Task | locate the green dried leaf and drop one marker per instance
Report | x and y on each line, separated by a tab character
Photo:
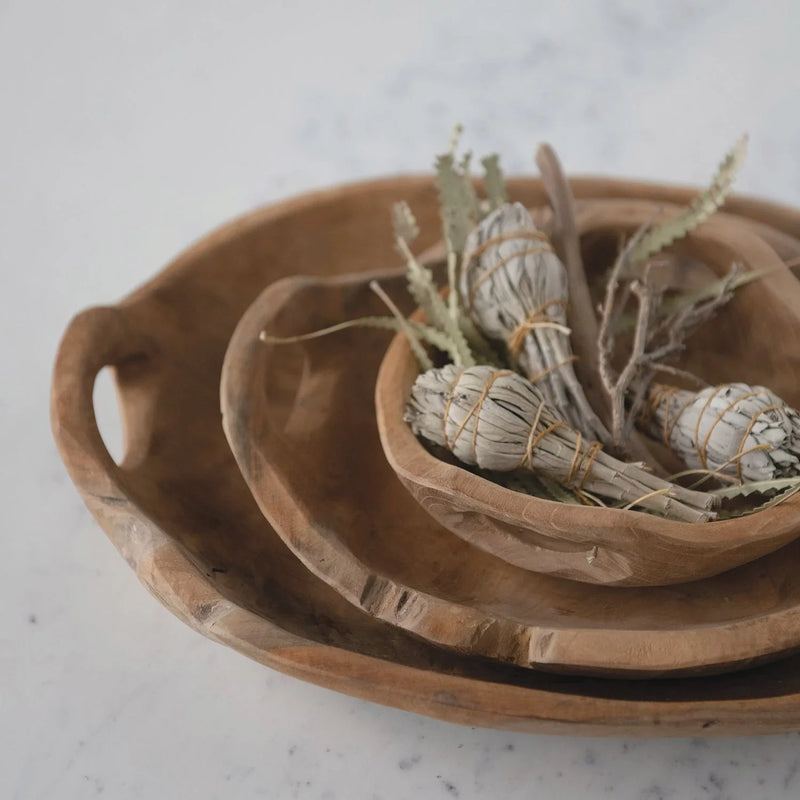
783	489
778	499
760	487
698	212
480	347
423	289
404	325
459	207
404	222
494	181
469	188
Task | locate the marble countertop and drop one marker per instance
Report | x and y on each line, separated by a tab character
129	131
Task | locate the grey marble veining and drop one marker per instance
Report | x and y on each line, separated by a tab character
130	130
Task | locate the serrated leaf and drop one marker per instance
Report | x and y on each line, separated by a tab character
698	212
423	289
470	196
745	489
404	222
457	201
494	181
480	347
778	499
404	325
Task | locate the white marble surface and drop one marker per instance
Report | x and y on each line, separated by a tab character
127	131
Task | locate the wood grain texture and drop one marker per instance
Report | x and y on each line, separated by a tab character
180	513
608	546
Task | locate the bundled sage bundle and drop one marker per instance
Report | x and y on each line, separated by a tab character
498	420
514	287
742	431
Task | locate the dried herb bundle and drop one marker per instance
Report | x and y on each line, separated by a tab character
745	432
498	420
514	287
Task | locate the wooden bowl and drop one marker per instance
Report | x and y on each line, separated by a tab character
300	421
179	512
756	338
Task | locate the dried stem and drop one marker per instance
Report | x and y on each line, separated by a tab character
580	311
413	340
617	386
652	344
581	316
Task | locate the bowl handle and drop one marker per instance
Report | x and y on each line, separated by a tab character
96	338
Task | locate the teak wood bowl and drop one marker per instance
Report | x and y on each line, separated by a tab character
300	421
181	515
756	338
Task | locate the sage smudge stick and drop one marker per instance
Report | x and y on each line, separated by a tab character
735	430
514	287
497	420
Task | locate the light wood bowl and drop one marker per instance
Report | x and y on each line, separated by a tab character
756	338
300	421
179	512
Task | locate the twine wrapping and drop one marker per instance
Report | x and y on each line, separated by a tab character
745	432
515	289
497	420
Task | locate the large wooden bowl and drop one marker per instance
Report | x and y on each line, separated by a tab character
179	512
756	338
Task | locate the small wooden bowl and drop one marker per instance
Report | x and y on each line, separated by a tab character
755	338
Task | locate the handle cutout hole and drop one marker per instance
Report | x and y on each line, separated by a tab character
107	413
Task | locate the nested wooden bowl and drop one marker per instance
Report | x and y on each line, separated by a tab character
179	512
300	421
755	338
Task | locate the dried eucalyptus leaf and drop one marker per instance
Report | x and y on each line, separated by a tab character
698	212
499	421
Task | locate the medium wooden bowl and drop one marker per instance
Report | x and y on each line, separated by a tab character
755	338
300	421
179	512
